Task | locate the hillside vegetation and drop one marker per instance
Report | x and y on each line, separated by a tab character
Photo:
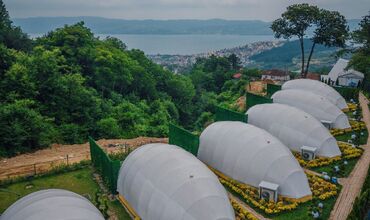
68	84
288	56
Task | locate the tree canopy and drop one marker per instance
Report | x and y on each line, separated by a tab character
68	84
330	28
361	56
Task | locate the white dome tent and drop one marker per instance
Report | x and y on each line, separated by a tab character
294	127
53	204
162	181
318	88
316	105
251	155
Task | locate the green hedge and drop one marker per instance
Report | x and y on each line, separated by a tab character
348	93
252	100
223	114
272	88
184	139
107	167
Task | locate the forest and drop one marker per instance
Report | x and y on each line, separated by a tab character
69	84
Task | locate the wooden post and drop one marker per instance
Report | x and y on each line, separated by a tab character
34	169
67	159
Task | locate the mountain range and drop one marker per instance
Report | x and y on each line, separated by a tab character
99	25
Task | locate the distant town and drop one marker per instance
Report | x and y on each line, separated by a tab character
182	63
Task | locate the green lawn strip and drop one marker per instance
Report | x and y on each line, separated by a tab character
120	211
345	169
302	211
347	136
78	181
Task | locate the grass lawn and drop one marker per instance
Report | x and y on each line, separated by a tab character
301	213
79	181
346	137
345	169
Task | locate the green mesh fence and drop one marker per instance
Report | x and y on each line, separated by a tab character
252	100
183	138
223	114
348	93
271	89
107	167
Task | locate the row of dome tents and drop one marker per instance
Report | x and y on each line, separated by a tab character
162	181
159	181
314	97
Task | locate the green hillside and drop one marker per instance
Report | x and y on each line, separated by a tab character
69	84
289	54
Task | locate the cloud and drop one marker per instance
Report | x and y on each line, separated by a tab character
176	9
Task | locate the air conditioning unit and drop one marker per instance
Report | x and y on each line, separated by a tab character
327	124
268	191
308	153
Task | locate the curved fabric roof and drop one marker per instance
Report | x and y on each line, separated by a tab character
294	127
251	155
162	181
316	105
53	204
319	88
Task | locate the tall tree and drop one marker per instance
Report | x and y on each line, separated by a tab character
331	31
294	23
12	36
330	28
361	57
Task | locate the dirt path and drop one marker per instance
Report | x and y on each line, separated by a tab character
24	164
353	184
249	209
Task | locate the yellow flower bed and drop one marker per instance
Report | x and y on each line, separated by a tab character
352	106
348	152
321	188
240	212
251	195
355	126
317	162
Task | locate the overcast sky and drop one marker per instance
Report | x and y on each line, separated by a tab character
266	10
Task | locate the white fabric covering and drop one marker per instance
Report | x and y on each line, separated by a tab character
294	127
251	155
319	88
316	105
164	182
53	204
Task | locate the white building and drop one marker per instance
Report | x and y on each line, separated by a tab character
350	77
275	75
318	88
162	181
52	204
318	106
251	155
294	128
